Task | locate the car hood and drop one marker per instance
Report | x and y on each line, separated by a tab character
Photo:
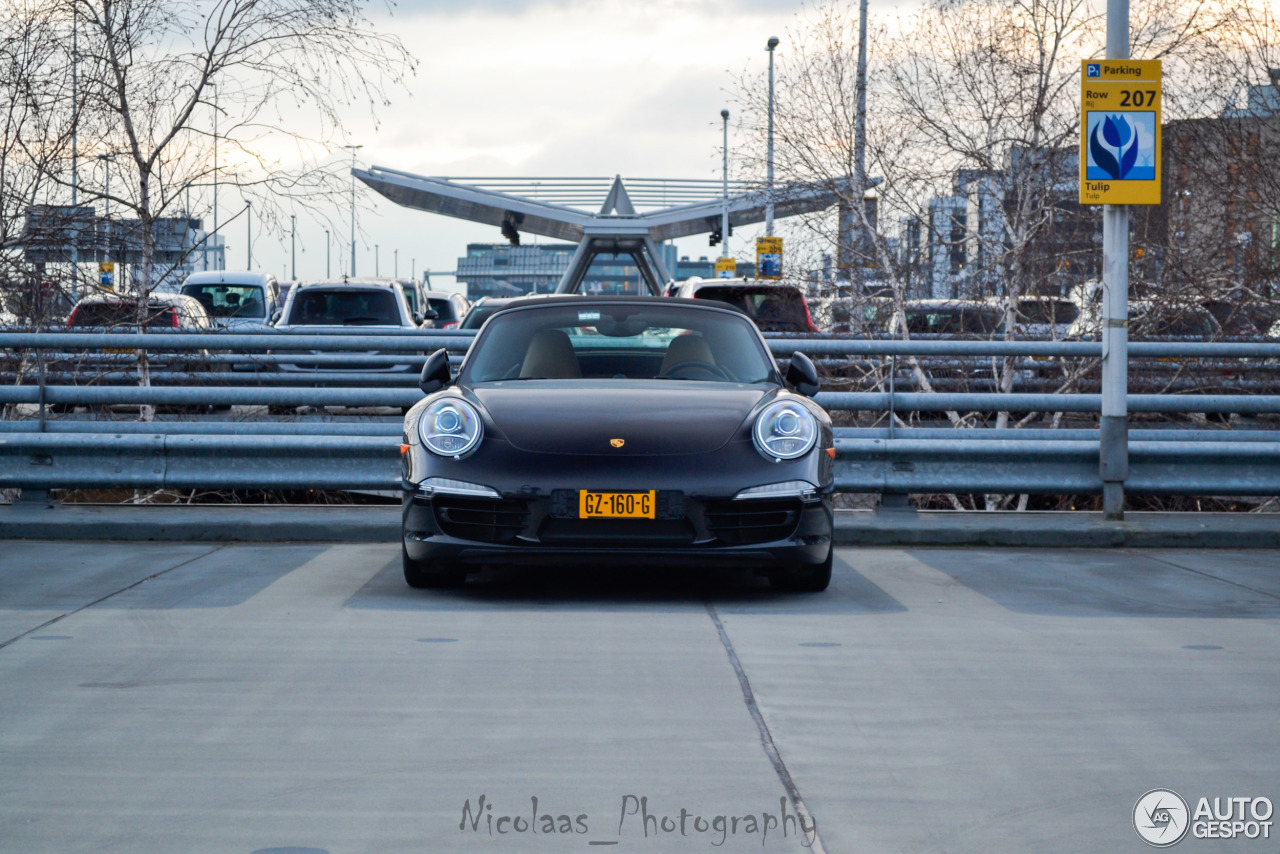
650	417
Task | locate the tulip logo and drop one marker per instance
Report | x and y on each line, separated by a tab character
1122	146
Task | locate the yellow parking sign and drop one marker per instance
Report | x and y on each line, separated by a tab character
1120	132
769	257
726	268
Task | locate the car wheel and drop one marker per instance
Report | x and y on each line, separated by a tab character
431	574
803	579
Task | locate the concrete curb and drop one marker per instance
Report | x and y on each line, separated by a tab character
1059	530
381	524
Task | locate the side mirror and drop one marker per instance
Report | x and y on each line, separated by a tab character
802	375
276	315
435	372
417	318
430	314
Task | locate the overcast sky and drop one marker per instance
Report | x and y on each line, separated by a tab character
544	88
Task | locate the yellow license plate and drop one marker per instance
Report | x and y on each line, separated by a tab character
617	505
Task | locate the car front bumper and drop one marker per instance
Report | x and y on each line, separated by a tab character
544	530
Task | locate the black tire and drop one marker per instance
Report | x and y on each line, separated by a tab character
803	579
431	575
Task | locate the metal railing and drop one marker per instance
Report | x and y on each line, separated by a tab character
41	452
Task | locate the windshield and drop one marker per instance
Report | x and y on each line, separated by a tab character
773	308
442	307
106	314
410	296
1048	311
344	307
1173	322
966	320
618	341
228	300
478	315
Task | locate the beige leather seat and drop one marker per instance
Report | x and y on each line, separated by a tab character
686	348
550	355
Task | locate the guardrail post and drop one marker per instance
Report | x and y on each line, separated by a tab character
40	372
1113	432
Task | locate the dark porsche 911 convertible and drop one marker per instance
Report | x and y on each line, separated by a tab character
618	431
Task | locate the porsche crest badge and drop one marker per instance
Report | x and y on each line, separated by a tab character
617	443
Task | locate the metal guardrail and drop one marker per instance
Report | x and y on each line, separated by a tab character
42	453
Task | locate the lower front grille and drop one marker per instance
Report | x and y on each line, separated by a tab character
487	520
628	533
740	523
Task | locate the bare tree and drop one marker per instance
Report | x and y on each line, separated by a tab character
151	74
973	128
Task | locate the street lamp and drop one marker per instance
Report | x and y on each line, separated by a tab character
353	149
377	262
214	87
293	247
327	273
724	202
768	203
107	160
396	254
248	227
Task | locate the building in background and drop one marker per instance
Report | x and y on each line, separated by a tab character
502	270
57	237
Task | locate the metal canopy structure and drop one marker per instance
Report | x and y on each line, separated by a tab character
561	208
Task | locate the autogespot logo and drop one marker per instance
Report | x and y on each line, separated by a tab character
1160	817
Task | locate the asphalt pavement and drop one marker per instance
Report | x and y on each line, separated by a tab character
261	697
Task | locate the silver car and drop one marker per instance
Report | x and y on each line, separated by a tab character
351	305
240	301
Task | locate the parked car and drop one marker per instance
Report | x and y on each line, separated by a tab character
450	308
119	313
955	317
412	295
1232	318
163	311
485	307
618	429
1152	319
235	300
774	307
1043	317
855	316
362	305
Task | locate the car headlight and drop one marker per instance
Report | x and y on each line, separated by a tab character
785	431
451	428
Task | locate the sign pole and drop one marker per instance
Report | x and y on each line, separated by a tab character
1114	426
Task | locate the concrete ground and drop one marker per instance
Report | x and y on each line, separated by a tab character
166	697
282	523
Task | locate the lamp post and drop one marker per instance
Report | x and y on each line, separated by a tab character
768	203
396	254
377	262
248	228
353	149
293	247
327	273
724	201
214	87
860	149
107	160
75	147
